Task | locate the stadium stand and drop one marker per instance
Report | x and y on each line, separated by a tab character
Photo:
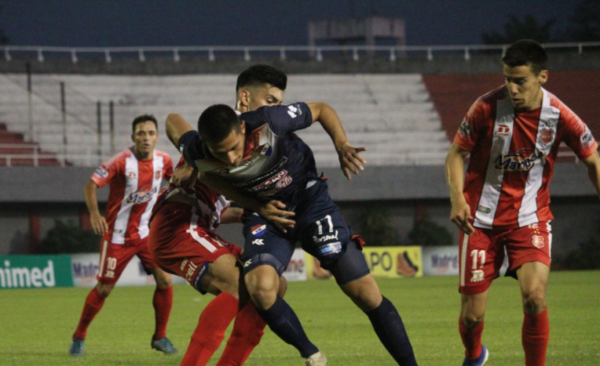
392	115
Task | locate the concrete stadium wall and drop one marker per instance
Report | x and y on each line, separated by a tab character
294	64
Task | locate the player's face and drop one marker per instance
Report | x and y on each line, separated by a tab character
230	150
144	138
524	86
254	97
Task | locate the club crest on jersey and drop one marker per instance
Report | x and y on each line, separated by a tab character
521	161
131	175
141	196
502	130
157	174
331	248
258	230
538	241
546	136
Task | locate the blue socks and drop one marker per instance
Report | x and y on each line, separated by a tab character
283	321
389	328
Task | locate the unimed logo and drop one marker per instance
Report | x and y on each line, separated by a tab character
22	277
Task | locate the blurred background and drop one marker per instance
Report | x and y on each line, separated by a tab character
401	74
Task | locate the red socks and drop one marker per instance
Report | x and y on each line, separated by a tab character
471	338
93	304
535	335
248	329
163	301
210	331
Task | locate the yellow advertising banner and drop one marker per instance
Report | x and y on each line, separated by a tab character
391	262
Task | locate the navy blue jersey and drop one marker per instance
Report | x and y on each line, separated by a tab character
277	164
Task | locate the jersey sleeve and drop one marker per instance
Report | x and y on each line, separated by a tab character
107	171
285	119
470	128
191	147
577	134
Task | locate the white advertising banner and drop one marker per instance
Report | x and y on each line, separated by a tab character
444	261
85	269
296	270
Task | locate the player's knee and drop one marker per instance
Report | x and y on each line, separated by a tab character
534	301
104	289
471	320
163	279
262	284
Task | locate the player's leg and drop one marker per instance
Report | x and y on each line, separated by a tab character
529	255
113	260
162	301
481	255
352	274
266	255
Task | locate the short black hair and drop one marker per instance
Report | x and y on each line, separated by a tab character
217	122
141	119
526	52
261	74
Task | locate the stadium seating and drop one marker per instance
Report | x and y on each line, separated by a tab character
391	115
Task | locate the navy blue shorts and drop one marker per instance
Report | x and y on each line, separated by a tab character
320	229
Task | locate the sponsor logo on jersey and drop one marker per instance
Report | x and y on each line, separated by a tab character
292	111
325	238
258	230
502	130
101	171
522	161
248	263
546	136
484	209
331	248
157	174
464	130
258	242
586	139
131	175
141	196
477	275
190	271
538	241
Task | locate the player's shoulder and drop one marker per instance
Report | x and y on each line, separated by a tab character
490	98
120	157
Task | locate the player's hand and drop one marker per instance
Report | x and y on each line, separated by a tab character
350	159
99	224
184	176
274	211
461	216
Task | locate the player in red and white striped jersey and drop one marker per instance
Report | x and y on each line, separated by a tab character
134	176
512	135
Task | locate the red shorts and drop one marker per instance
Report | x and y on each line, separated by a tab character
115	257
482	253
181	247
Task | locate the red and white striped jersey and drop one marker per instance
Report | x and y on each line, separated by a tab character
209	204
134	186
512	157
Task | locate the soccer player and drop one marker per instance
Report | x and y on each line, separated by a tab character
257	161
183	241
134	175
512	135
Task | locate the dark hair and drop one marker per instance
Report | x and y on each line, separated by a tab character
141	119
526	52
217	122
262	74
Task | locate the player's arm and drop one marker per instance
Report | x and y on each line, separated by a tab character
232	215
350	159
91	201
274	210
460	213
593	168
176	126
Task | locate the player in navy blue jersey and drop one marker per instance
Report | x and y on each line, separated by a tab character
257	160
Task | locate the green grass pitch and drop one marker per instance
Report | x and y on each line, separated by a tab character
36	325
